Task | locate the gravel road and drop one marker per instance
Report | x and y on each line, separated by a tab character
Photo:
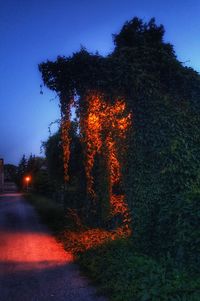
33	265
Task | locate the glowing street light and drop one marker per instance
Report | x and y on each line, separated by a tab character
27	180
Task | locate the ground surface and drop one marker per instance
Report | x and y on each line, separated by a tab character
33	265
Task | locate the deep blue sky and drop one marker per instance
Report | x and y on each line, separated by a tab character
32	31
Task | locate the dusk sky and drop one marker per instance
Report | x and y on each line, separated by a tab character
32	31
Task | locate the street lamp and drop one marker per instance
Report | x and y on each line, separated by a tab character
27	180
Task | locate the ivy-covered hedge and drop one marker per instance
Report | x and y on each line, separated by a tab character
161	171
162	181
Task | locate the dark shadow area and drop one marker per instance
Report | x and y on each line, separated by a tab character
36	281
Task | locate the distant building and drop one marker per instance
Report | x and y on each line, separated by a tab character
1	175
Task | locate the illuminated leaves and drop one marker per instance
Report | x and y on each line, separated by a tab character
103	129
104	125
65	127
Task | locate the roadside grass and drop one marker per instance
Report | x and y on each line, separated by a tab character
114	266
50	212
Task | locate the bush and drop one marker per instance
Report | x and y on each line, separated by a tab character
125	275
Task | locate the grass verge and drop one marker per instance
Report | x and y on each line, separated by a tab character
51	213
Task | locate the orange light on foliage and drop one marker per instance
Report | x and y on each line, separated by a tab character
81	241
65	127
103	129
103	125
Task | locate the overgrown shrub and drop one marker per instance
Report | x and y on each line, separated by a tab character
125	275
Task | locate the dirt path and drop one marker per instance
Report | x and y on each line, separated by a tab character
33	266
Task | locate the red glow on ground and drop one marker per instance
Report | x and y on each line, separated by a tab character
39	252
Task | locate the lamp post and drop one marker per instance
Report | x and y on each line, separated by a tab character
27	180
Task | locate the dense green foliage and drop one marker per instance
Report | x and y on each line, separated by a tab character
162	181
75	189
54	160
124	275
161	174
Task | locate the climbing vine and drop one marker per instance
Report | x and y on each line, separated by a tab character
65	136
103	125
